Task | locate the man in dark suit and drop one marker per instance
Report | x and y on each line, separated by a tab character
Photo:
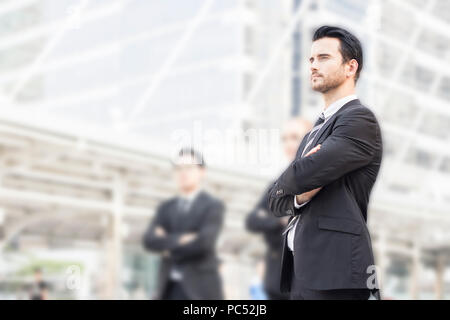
325	190
184	231
261	221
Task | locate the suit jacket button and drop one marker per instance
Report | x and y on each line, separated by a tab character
279	191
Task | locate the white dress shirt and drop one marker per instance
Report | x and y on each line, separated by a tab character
328	113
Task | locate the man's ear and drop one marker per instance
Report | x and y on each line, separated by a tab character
352	68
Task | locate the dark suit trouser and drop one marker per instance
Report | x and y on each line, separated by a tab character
338	294
277	296
299	292
174	291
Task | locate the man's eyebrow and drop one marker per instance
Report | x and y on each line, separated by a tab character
320	55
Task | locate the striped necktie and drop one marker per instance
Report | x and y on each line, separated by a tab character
319	123
183	205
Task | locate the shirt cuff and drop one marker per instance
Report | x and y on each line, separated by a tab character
298	206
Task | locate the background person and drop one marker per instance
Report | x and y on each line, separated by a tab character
260	220
185	231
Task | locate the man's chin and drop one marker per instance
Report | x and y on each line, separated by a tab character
317	88
316	84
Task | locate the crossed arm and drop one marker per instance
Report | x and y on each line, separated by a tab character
180	246
307	196
260	219
351	145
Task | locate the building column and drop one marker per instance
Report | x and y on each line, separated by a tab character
415	271
113	242
381	259
440	269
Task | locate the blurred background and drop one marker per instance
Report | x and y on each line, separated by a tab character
96	96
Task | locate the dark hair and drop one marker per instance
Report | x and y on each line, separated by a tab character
196	155
350	47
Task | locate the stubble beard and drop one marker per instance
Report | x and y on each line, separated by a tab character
329	83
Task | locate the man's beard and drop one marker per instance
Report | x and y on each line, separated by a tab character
329	83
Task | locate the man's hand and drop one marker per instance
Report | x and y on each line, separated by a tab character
284	220
313	150
261	213
166	253
186	238
305	197
160	232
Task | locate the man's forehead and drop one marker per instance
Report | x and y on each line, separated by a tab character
325	46
185	159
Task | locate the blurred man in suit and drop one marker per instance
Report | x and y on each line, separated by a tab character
325	190
261	221
184	230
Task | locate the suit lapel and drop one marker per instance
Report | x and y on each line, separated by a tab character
185	220
302	145
331	120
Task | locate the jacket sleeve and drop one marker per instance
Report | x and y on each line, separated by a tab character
207	235
282	206
257	222
156	243
351	145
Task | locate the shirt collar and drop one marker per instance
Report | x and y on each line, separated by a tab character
335	106
190	197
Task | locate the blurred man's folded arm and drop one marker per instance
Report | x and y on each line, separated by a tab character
156	238
256	222
205	238
259	220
